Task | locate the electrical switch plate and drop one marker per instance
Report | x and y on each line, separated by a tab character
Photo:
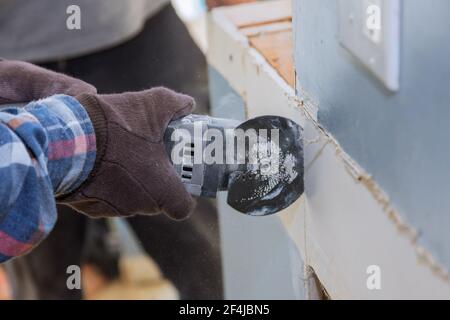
370	30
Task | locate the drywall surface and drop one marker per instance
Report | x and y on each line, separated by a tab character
344	228
259	259
401	139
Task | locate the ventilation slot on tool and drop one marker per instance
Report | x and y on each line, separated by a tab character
188	161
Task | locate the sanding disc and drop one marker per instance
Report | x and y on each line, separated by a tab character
274	180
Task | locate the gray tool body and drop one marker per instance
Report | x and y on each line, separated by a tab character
253	189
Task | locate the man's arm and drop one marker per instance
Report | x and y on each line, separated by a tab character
46	148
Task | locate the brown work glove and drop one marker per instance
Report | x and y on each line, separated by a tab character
22	82
133	173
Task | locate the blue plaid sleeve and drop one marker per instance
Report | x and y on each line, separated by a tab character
46	148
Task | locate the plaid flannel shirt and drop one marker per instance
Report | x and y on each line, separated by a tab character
47	148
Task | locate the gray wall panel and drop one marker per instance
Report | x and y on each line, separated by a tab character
402	139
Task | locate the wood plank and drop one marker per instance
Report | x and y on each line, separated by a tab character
266	28
277	48
258	13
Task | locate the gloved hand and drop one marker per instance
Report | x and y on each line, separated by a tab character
25	82
133	173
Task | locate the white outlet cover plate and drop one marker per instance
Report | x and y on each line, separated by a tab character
378	50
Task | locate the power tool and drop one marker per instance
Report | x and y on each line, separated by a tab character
258	161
